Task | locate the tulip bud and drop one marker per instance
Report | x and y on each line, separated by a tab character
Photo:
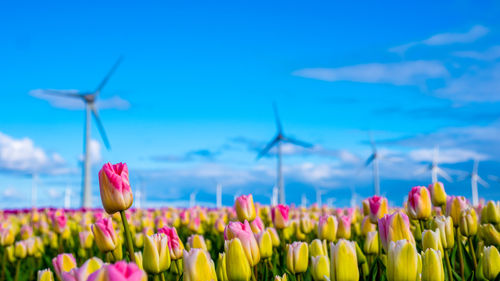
297	256
45	275
237	266
489	234
221	268
432	265
367	226
281	278
139	260
274	236
431	239
7	236
378	207
445	227
371	245
491	262
78	274
104	235
257	225
438	194
245	208
197	241
279	216
344	229
139	240
156	255
344	263
394	227
454	207
366	207
243	232
327	228
402	261
198	266
86	239
320	268
419	203
20	250
491	213
174	243
63	263
468	222
318	248
265	244
116	194
119	271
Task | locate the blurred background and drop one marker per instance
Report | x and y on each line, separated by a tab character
411	88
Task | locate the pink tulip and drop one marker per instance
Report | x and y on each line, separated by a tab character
279	215
454	207
419	203
394	227
244	232
84	271
174	243
344	228
257	225
59	221
378	207
245	208
104	235
116	194
120	271
63	263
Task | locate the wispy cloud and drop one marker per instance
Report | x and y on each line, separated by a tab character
114	102
440	39
401	73
23	157
489	54
447	156
193	155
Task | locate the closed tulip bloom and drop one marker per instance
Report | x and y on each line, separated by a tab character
445	226
86	239
489	234
45	275
468	222
378	208
198	266
394	227
402	261
318	248
371	245
237	266
327	228
281	278
274	236
139	240
438	194
59	222
265	244
343	261
320	268
174	243
197	241
104	235
432	265
7	236
419	203
63	263
431	240
221	268
367	226
243	232
30	246
306	224
297	257
219	225
491	213
344	227
454	207
491	262
139	260
245	208
279	216
119	271
257	225
26	232
83	272
366	207
156	255
116	194
9	252
20	249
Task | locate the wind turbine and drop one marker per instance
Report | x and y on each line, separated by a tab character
89	98
218	196
475	179
277	141
435	169
373	160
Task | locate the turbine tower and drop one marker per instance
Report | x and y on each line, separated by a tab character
218	198
89	98
373	160
435	169
475	179
277	141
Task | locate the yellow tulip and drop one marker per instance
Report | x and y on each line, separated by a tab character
45	275
344	263
491	262
297	257
237	266
320	268
468	222
402	261
156	255
432	265
198	266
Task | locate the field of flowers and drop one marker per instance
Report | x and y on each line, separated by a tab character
435	236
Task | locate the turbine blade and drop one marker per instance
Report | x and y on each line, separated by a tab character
100	127
482	182
298	142
370	160
267	148
106	78
277	118
444	174
474	168
494	178
63	93
372	142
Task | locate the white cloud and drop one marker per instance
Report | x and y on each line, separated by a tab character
114	102
490	54
401	73
22	156
447	156
440	39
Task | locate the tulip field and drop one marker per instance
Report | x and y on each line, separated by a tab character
434	236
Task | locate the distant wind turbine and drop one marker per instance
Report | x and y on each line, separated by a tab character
219	195
475	179
277	141
373	160
89	98
435	169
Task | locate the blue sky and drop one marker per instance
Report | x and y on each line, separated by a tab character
191	103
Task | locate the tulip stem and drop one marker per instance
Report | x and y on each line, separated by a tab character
128	236
461	254
471	248
18	266
421	225
4	263
448	265
162	276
